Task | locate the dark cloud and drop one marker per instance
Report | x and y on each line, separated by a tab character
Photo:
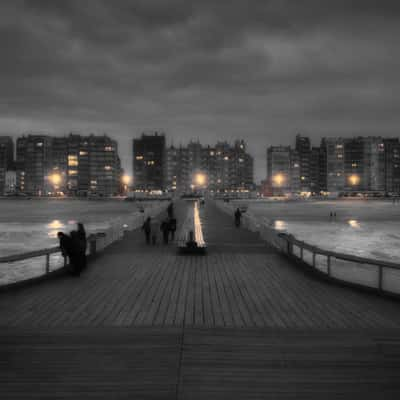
262	70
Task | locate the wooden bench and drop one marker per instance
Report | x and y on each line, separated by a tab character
190	237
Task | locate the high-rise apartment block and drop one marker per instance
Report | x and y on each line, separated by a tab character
149	162
6	160
340	165
75	165
218	168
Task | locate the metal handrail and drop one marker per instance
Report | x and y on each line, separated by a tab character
30	254
286	243
347	257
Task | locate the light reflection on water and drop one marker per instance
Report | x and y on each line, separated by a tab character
354	223
280	225
56	226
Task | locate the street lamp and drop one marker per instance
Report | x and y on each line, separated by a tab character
278	179
126	179
55	179
200	179
354	180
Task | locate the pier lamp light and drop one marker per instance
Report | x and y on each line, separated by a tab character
200	179
354	180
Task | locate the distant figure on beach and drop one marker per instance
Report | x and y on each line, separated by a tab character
164	228
238	216
146	228
83	243
331	215
170	210
172	227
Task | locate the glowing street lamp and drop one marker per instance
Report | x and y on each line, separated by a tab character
126	179
278	179
55	179
354	180
200	179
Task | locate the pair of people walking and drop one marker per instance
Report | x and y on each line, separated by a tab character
73	247
167	228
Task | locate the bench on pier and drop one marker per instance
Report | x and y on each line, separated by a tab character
190	238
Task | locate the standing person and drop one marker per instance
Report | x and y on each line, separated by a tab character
65	244
170	210
172	228
146	227
154	229
164	227
83	243
238	216
76	260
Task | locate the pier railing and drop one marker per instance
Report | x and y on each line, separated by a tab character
382	276
96	242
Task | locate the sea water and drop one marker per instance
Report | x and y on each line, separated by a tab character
28	225
367	228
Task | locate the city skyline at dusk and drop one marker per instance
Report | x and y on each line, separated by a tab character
261	71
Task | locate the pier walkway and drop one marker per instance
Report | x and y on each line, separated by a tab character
242	322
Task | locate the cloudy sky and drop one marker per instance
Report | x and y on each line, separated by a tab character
259	70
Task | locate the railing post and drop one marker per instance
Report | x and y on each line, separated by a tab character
47	263
329	265
380	277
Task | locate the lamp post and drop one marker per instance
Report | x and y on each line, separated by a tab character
126	179
55	179
279	180
354	180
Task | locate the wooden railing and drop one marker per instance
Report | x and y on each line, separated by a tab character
379	275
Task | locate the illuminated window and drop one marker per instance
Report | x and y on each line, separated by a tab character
241	160
211	153
83	153
139	157
39	144
354	165
93	182
72	160
150	162
108	148
107	167
72	172
226	158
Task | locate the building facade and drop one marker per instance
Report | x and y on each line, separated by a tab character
6	160
149	161
218	168
282	169
74	165
303	149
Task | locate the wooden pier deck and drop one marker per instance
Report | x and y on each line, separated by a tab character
242	322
